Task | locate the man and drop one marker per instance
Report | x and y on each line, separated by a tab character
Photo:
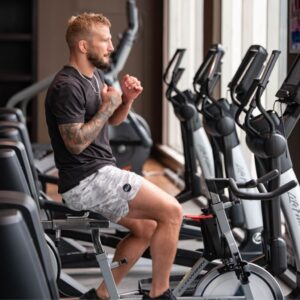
79	106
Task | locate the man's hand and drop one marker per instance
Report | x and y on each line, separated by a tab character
131	88
111	100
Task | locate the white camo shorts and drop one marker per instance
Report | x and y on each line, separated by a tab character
107	192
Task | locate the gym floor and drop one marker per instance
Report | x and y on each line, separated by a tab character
90	277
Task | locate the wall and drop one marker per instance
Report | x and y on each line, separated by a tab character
145	61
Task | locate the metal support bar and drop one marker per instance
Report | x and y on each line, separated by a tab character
104	265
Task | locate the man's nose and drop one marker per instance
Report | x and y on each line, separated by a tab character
111	47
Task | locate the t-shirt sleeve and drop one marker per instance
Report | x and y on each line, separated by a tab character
68	104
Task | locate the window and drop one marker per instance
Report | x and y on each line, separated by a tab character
183	29
243	23
249	22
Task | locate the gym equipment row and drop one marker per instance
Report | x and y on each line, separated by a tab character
214	223
219	141
266	137
21	216
243	279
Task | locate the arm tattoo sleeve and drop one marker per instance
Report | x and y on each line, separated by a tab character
78	136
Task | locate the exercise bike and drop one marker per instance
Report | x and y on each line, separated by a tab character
236	279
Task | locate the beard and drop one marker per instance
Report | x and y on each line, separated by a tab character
96	61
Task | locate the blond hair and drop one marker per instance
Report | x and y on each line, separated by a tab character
80	27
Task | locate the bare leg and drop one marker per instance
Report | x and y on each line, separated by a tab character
131	247
151	203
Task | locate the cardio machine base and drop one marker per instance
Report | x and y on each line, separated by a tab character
216	283
145	284
219	284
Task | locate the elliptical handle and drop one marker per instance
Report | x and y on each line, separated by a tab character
140	130
172	87
251	63
264	80
208	72
121	53
269	68
177	75
174	62
241	105
249	69
177	72
132	15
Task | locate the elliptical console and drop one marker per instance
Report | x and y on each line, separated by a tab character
290	89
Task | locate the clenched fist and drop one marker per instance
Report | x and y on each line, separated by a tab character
131	88
111	100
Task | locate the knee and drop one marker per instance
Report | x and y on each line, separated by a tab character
175	213
145	229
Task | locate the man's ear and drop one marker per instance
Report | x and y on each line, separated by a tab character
82	45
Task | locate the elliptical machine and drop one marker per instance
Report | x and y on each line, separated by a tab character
218	120
190	126
266	137
197	147
130	141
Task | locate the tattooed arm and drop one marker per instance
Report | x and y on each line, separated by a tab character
78	136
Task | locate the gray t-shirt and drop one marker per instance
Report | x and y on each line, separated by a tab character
74	99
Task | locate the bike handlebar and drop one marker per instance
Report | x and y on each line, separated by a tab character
261	196
235	187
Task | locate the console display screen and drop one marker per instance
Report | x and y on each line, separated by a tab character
290	89
294	75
